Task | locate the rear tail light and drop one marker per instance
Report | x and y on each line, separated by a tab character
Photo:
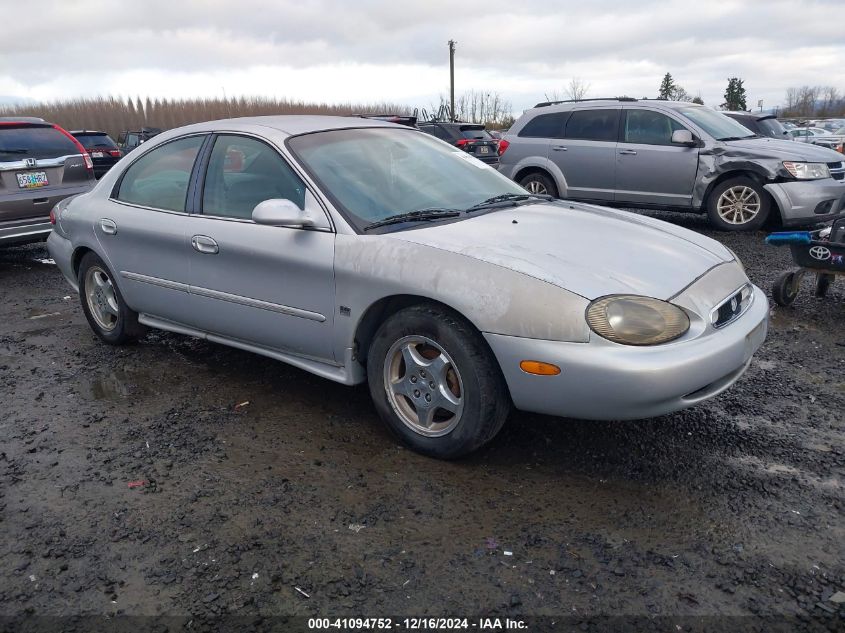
462	143
89	164
53	216
503	145
115	153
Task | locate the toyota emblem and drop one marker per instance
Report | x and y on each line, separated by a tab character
820	252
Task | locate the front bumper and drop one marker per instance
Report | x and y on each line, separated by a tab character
808	201
600	381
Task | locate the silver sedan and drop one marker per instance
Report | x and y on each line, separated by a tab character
365	251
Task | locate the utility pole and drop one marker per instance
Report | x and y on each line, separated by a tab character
452	79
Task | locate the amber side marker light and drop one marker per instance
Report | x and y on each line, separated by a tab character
539	369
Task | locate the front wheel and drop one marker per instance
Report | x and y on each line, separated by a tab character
435	382
738	204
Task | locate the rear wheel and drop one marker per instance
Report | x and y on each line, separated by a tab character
103	305
435	383
738	204
785	288
537	182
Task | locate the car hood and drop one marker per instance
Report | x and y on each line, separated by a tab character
783	150
591	251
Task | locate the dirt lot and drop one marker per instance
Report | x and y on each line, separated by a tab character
269	492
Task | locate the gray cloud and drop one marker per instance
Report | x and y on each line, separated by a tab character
530	46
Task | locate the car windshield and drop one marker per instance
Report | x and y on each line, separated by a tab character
716	124
95	140
375	173
772	127
34	141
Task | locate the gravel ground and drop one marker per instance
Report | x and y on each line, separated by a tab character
177	477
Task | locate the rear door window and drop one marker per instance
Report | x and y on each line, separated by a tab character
648	127
17	143
593	125
159	179
545	126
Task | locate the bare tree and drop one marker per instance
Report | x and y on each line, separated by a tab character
577	89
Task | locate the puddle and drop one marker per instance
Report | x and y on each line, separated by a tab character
115	385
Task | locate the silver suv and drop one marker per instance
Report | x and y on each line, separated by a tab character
671	155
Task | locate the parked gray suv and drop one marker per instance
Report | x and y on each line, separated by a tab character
40	165
671	155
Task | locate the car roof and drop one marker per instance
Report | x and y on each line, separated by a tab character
749	115
292	124
97	132
610	102
21	119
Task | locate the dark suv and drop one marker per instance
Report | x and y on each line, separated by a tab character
40	165
470	137
100	147
130	139
762	124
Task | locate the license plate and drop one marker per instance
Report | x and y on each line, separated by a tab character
483	150
32	179
96	154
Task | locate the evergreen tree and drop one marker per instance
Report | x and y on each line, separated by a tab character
735	95
667	87
697	99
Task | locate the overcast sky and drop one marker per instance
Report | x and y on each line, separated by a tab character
388	50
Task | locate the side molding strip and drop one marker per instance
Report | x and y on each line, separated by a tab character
224	296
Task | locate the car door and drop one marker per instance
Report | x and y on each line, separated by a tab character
270	286
535	138
650	169
587	154
142	229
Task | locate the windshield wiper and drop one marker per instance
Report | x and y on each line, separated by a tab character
508	197
420	215
14	151
738	138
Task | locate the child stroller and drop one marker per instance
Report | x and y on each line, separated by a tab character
820	252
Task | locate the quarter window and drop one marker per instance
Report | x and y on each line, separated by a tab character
648	127
545	126
593	125
242	172
159	179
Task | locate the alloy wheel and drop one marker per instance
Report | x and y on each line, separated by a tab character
535	186
101	298
423	386
738	205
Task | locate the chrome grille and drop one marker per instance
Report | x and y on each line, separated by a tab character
732	307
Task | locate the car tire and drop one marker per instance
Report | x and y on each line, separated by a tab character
823	281
107	313
538	182
738	204
785	289
427	355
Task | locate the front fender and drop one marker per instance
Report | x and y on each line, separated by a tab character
493	298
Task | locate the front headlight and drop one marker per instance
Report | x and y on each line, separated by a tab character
635	320
807	171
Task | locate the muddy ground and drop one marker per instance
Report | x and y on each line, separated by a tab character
264	491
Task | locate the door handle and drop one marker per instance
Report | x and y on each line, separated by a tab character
204	244
558	148
108	226
628	152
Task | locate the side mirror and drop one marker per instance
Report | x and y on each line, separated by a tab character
683	137
281	212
